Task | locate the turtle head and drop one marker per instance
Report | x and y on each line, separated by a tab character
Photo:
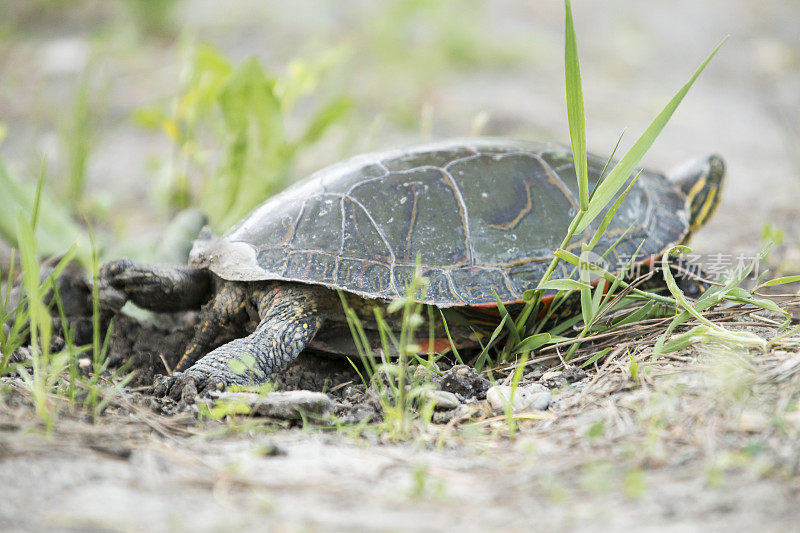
701	181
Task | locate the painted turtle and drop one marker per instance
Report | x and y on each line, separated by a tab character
482	217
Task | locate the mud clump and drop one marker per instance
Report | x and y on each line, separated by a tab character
139	346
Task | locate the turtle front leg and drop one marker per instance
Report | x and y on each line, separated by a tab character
161	288
228	307
290	317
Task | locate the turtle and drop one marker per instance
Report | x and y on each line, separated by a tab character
479	218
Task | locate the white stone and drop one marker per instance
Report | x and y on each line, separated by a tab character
527	398
289	405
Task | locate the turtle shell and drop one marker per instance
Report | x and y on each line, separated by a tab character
482	216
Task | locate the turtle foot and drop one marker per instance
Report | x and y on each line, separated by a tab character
186	386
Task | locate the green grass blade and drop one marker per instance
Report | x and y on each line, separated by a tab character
450	338
507	319
37	198
575	112
611	212
587	308
564	285
609	187
593	359
642	313
718	332
483	356
781	281
534	341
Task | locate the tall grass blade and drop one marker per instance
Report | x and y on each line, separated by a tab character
575	112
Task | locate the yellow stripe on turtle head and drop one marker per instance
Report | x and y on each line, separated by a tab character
701	181
707	210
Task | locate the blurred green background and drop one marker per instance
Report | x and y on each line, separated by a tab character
138	111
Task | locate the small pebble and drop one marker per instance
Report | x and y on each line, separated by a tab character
442	399
20	355
424	373
553	379
573	374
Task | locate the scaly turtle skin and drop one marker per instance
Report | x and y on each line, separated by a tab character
482	216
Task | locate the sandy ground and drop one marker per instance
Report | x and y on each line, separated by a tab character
329	483
125	474
682	450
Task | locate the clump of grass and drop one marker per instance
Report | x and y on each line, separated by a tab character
612	291
52	378
403	398
30	318
244	109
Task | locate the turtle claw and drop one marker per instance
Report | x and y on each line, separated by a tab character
186	386
161	386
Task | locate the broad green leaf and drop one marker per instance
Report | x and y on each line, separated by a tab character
608	188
